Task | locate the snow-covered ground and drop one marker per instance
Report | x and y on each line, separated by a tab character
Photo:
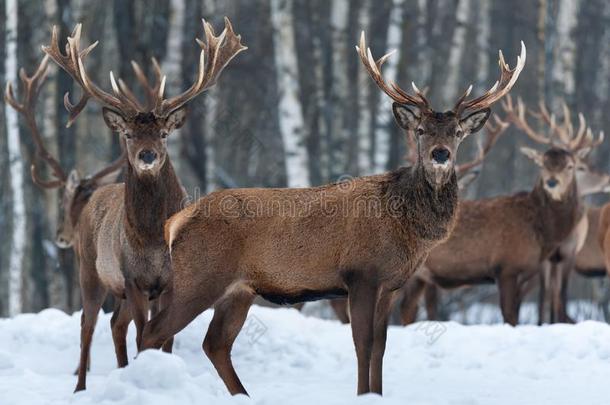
283	356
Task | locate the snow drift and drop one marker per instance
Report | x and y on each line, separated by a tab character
282	355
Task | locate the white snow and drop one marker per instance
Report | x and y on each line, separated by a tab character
283	356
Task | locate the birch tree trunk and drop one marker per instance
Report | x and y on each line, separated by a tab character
339	18
290	111
15	167
456	54
563	71
383	114
364	109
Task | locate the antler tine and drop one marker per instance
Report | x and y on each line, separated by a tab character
216	53
152	92
507	80
392	90
518	118
31	90
493	134
72	63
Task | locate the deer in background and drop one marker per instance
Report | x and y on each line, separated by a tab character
120	232
506	239
76	189
224	254
555	274
466	173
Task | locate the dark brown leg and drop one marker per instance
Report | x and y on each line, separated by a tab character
413	290
431	298
382	314
138	304
119	323
339	305
229	316
93	295
362	300
563	293
508	299
541	296
163	302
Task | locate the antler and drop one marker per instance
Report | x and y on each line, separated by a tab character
508	78
216	53
72	63
518	118
31	90
396	93
493	134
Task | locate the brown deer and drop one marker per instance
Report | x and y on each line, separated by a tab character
466	173
509	249
76	189
295	245
120	232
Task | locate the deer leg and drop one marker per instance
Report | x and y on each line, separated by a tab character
413	290
164	301
119	323
563	294
93	297
508	299
431	298
82	320
382	315
229	316
362	299
555	291
139	304
541	296
339	306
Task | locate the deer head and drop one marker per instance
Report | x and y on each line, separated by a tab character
76	189
145	126
439	134
566	159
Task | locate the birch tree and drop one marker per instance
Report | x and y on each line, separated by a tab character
456	53
290	111
339	18
384	106
563	70
364	109
15	167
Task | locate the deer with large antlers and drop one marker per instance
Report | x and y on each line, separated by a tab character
120	242
76	189
507	239
466	173
295	245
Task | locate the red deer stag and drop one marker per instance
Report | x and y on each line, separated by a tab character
294	245
76	189
121	244
506	239
555	275
466	173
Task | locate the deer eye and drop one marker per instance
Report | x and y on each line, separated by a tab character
420	131
459	133
570	167
128	135
164	135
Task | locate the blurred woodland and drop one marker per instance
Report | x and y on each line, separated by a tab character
295	109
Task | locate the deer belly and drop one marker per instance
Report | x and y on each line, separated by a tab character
109	270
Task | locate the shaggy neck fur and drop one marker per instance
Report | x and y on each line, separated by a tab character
430	211
555	219
149	202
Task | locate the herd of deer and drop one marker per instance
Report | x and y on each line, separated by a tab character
136	241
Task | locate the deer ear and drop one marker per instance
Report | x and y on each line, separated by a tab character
175	119
475	121
583	153
533	154
114	120
404	117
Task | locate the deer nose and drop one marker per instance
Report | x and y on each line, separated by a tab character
552	183
62	242
147	156
440	154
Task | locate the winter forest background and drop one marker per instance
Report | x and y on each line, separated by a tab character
295	109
